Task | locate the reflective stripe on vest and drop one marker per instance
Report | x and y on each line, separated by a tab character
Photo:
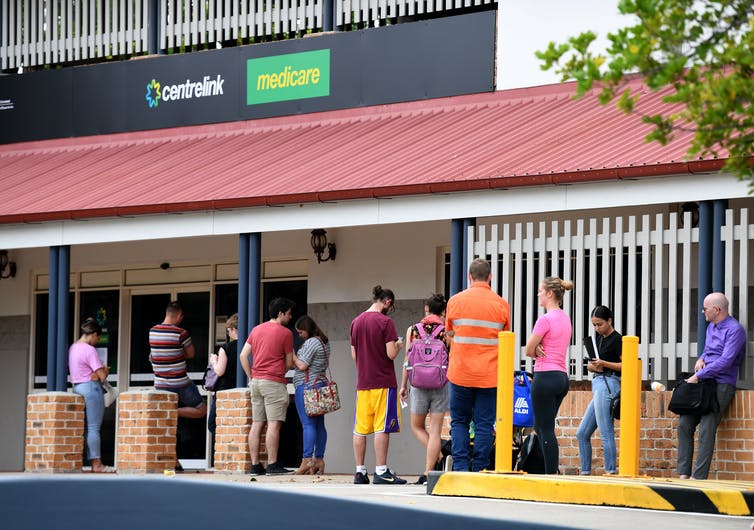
475	340
476	322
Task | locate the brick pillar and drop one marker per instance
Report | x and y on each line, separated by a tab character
232	433
54	432
147	423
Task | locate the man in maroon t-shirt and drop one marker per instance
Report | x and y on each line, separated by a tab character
270	345
374	346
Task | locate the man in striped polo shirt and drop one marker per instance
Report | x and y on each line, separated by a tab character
473	319
170	346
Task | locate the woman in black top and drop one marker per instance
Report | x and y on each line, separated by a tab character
225	363
606	368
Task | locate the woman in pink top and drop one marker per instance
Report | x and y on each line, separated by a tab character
548	345
87	376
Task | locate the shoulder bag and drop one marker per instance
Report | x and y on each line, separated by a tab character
210	379
321	394
111	393
695	399
614	401
614	398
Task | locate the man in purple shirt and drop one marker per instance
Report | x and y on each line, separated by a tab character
723	352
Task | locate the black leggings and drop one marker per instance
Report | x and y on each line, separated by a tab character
547	392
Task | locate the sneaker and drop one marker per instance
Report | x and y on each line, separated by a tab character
257	469
421	480
388	477
277	469
361	478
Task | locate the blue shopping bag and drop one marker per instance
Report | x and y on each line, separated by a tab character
523	413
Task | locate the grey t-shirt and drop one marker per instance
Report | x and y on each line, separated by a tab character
314	353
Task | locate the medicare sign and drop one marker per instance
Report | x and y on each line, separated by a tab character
288	77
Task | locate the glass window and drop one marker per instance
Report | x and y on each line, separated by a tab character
103	305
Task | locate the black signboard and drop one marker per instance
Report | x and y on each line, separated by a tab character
404	62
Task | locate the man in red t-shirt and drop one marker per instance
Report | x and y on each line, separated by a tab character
374	346
270	345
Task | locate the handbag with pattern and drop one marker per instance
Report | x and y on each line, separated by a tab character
321	394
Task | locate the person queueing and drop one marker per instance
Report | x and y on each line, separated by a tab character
87	376
724	350
474	318
271	345
434	402
606	368
311	361
548	345
225	364
374	346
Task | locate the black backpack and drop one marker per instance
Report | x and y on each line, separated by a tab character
530	457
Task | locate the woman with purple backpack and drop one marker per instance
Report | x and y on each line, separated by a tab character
429	393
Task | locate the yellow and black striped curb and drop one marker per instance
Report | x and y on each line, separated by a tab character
700	496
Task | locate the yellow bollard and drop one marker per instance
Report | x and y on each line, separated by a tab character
504	424
630	408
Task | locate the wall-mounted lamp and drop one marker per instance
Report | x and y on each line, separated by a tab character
7	267
319	244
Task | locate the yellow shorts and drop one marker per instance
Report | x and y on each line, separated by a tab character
377	411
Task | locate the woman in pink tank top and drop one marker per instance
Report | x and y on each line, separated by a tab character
548	345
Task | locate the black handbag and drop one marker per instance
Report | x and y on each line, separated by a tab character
614	401
694	398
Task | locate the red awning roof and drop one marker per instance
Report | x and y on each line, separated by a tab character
523	137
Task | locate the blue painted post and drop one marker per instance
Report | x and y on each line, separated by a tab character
464	266
718	252
705	269
328	16
456	256
243	302
61	364
52	319
153	27
255	278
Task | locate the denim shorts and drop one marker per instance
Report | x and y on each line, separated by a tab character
188	396
430	400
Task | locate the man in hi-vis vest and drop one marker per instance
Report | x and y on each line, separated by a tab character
474	317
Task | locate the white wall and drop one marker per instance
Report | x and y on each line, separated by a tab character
400	257
527	26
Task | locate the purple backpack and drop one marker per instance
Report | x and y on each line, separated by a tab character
427	360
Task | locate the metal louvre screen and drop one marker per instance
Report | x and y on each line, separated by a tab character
46	32
40	32
643	268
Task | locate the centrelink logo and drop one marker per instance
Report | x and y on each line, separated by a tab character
207	87
521	406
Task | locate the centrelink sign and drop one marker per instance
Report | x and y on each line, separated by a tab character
342	70
206	87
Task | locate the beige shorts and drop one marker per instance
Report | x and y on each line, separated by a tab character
269	400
